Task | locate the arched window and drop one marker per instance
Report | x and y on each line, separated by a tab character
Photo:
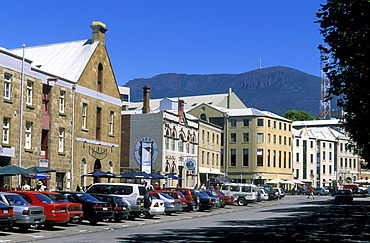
100	77
181	143
203	117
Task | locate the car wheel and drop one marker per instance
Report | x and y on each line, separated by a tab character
148	215
117	219
147	200
241	201
93	221
168	213
48	226
23	227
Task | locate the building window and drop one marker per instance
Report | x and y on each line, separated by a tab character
100	77
260	122
6	129
284	140
233	157
62	100
284	126
28	136
233	122
279	125
311	155
341	162
259	157
207	158
297	142
323	155
202	157
311	144
83	171
246	122
323	169
29	93
245	157
7	85
297	157
166	142
274	158
181	143
98	124
268	123
268	158
259	137
61	140
187	148
111	122
233	137
330	168
274	138
246	137
269	138
274	124
203	117
84	116
330	155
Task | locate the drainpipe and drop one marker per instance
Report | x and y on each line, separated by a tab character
73	133
21	116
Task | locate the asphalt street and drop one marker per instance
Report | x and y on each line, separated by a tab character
292	219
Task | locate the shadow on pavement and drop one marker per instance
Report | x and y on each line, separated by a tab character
312	222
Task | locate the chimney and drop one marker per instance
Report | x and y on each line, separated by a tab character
146	108
181	108
98	31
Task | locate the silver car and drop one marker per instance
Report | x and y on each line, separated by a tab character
25	214
171	205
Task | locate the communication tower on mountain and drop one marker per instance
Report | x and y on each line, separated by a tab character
324	112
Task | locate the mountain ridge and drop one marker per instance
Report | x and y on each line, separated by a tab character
276	89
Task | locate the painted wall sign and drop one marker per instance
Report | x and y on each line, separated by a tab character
145	153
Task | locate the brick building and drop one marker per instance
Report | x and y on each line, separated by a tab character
68	117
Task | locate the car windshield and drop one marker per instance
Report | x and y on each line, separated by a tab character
86	197
16	200
223	194
44	199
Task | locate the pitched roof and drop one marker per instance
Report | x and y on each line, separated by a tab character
66	60
250	112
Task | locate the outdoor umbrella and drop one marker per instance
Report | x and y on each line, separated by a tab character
170	176
38	169
136	175
157	176
99	173
14	170
274	181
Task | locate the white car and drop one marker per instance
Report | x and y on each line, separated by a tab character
157	207
264	196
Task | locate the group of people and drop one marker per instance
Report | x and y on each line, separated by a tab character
211	187
39	186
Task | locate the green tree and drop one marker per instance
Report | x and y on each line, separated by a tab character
295	115
344	26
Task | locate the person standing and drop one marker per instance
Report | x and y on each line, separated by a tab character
311	193
26	187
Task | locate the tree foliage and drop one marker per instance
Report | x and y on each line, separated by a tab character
344	26
295	115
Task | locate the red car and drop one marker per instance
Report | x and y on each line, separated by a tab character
229	200
74	209
177	195
188	193
56	213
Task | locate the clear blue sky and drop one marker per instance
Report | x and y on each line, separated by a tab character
150	37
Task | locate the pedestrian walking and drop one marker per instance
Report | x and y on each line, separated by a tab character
311	193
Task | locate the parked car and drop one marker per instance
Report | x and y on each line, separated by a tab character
179	196
353	187
135	194
7	218
191	198
94	210
242	193
156	208
171	205
321	191
219	201
264	196
228	200
74	209
205	202
270	191
56	213
25	214
343	196
279	192
120	206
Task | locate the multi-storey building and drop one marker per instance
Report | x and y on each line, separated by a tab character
209	152
256	145
163	140
321	157
61	109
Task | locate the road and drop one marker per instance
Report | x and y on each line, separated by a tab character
292	219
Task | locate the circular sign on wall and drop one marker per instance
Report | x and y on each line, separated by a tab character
190	164
146	151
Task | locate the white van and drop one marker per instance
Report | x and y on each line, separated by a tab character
242	193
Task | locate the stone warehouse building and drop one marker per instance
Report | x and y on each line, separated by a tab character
60	109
